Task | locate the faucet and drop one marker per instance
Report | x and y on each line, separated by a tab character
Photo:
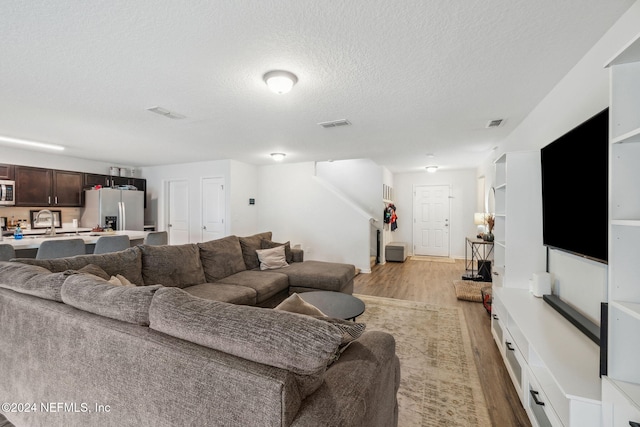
50	231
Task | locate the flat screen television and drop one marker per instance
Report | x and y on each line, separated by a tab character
575	173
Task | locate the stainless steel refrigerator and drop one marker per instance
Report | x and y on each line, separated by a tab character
111	207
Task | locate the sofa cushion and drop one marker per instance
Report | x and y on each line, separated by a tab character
127	262
268	244
319	275
225	293
265	283
221	258
126	303
272	259
299	344
172	265
250	245
32	280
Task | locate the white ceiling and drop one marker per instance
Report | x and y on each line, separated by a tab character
412	76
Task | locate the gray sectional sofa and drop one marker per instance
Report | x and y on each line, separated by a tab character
77	350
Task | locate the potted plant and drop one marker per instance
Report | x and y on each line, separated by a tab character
490	219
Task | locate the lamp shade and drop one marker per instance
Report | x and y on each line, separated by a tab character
478	218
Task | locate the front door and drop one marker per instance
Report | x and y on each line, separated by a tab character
213	208
431	220
178	212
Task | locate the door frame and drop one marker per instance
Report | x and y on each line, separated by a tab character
166	207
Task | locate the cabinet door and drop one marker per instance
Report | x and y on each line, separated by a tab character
67	187
91	179
33	186
6	172
120	180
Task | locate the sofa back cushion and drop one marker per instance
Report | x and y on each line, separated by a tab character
32	280
95	295
221	258
172	265
250	245
300	344
127	263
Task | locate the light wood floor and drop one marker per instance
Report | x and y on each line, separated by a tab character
432	282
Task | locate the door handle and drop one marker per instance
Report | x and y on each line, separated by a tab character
169	225
534	394
204	227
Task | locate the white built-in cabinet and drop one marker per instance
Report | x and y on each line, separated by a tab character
518	250
553	366
621	388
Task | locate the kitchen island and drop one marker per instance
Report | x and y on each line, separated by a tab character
29	244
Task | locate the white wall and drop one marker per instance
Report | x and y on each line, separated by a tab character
583	92
463	204
243	185
157	178
297	207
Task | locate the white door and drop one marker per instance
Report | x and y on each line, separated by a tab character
431	220
178	212
213	209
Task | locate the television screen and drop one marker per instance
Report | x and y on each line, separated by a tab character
575	172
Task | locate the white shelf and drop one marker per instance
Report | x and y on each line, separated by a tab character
630	308
632	136
629	53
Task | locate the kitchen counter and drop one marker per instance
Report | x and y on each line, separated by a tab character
89	237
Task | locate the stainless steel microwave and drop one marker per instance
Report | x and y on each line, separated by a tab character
7	193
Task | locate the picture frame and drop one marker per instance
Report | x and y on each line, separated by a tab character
45	220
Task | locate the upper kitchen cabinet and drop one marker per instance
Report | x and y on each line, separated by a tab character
7	172
47	187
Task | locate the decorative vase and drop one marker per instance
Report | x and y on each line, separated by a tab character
488	237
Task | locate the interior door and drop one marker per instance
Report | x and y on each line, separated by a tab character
431	220
178	212
213	209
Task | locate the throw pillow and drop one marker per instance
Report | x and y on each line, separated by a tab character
268	244
249	247
95	270
351	331
120	280
295	304
272	259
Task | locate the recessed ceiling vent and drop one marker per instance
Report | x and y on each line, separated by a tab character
166	113
335	123
494	123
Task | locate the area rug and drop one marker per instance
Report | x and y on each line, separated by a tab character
469	290
439	382
432	259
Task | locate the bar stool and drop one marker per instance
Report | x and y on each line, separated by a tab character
106	244
50	249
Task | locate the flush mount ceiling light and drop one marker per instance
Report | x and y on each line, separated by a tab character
280	81
431	169
278	157
31	143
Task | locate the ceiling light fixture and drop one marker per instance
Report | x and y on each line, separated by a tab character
280	81
431	169
31	143
278	157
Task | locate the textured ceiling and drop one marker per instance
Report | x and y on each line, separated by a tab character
413	77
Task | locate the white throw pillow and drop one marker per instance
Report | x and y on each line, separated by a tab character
295	304
271	259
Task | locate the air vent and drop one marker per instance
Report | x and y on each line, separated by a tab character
166	113
335	123
494	123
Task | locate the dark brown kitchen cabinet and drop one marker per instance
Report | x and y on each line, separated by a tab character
6	172
47	187
93	179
